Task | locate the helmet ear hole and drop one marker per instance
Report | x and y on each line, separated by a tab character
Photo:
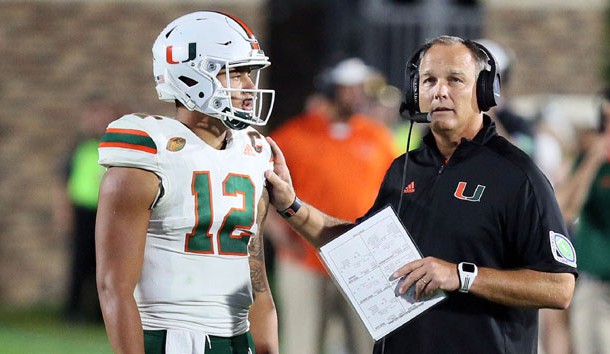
188	81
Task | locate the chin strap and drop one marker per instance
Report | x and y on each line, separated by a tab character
234	124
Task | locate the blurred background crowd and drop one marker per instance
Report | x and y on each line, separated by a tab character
70	67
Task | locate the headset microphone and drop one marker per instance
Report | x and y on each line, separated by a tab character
416	117
420	118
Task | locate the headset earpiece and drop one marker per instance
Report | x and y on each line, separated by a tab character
411	101
488	83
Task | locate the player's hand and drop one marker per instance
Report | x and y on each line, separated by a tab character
281	192
427	275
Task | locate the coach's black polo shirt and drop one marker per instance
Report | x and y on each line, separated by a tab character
489	205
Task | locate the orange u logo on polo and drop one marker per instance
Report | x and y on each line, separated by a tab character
476	197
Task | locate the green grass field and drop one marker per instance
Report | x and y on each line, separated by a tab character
41	331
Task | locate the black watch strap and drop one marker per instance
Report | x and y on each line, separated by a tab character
292	209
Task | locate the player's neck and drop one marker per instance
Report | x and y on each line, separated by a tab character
209	129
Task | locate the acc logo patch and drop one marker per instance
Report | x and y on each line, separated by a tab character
176	144
562	249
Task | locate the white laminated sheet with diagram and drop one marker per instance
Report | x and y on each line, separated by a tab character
361	262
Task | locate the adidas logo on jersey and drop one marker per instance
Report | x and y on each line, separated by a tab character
249	151
410	188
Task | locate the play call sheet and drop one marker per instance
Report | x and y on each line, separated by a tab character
361	262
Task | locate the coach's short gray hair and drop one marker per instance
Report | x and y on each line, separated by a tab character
481	58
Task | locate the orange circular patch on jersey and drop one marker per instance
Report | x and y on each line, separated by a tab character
176	144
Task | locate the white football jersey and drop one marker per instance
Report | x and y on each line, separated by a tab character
196	273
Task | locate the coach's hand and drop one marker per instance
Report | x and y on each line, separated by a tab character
279	183
428	275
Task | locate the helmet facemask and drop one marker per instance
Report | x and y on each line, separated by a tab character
221	104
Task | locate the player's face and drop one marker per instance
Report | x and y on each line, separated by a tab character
238	78
447	89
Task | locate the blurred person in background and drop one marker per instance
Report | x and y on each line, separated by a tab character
182	204
76	197
554	155
338	157
586	199
516	128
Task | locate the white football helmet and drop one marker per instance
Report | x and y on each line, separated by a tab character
189	53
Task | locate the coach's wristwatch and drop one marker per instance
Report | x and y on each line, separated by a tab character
467	272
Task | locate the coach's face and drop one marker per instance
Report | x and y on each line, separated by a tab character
447	89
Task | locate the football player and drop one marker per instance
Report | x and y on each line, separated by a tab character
180	263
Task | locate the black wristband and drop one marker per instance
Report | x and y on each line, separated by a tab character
292	209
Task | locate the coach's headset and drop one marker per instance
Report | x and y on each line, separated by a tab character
488	85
